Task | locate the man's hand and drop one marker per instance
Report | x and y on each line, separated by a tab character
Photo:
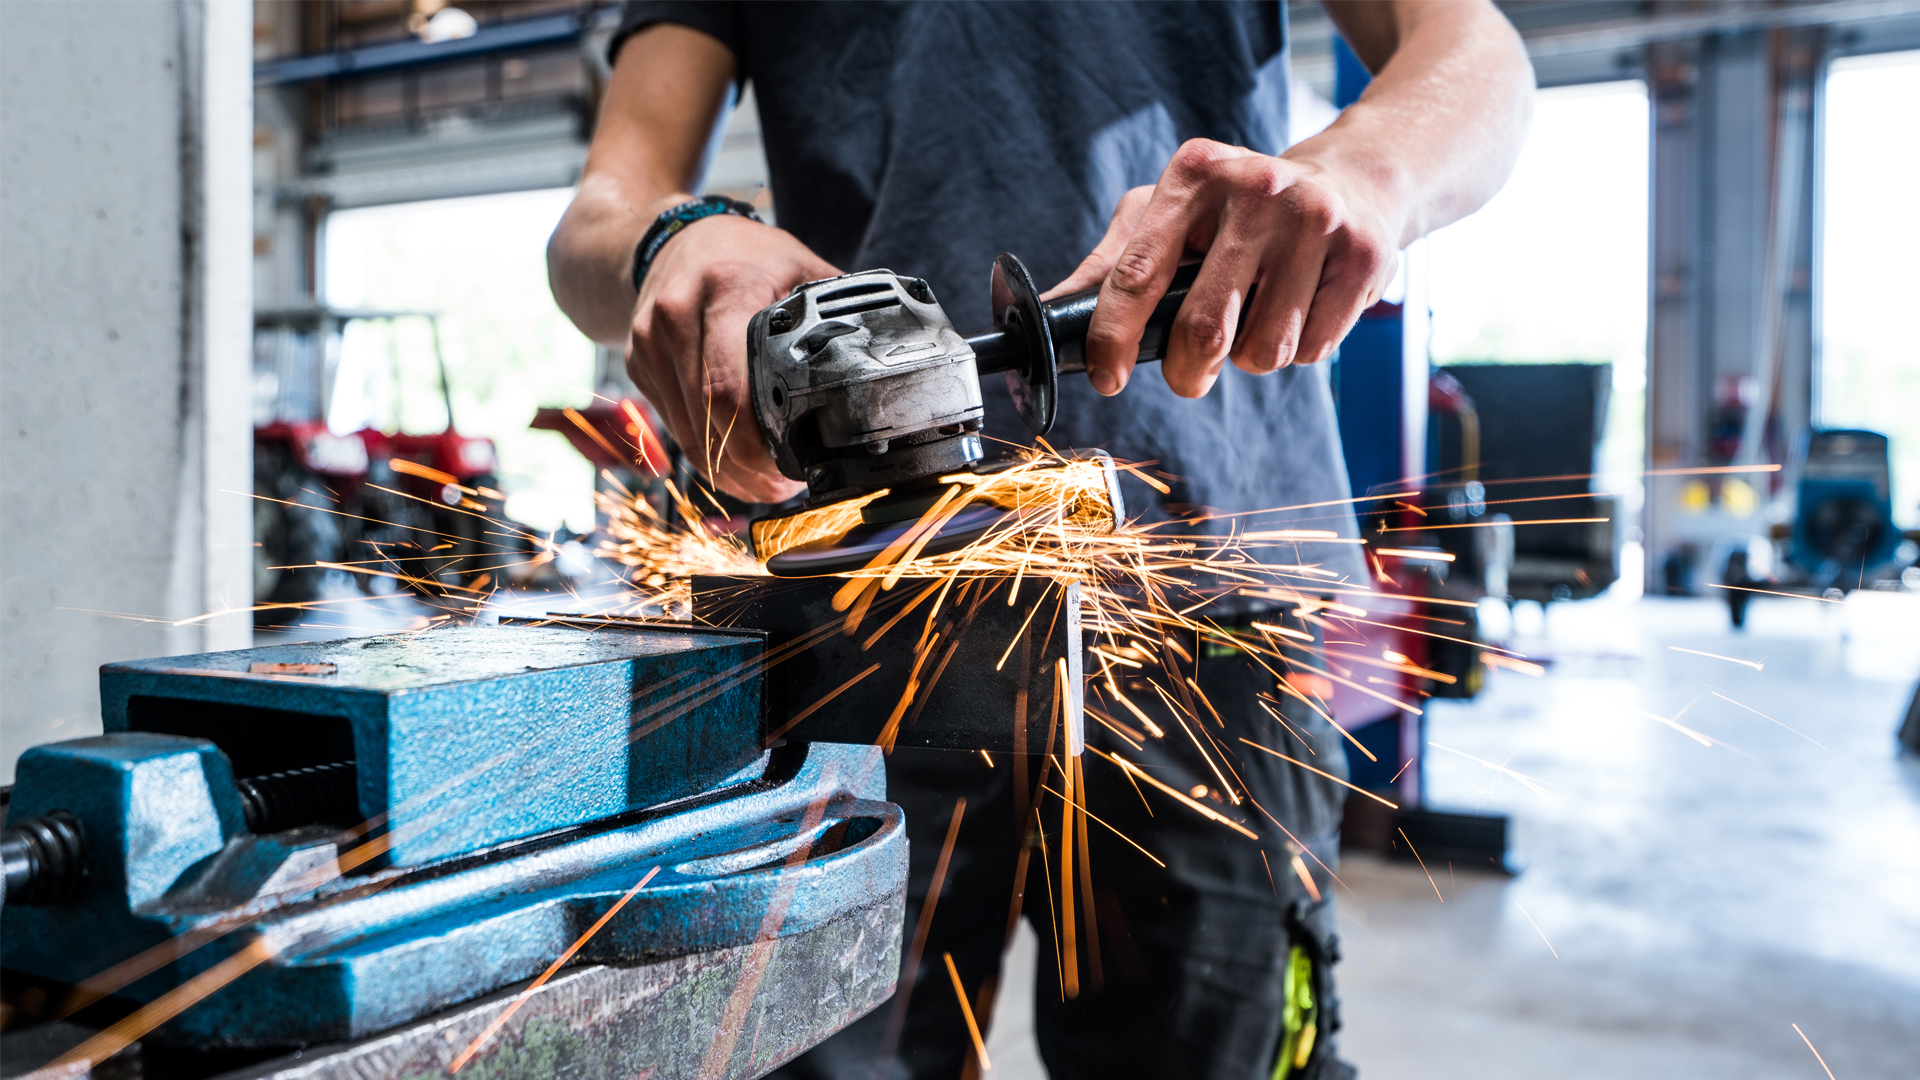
1317	228
687	351
1318	249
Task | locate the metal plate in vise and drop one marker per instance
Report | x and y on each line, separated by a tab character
468	736
989	681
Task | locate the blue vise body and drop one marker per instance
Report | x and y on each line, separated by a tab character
509	785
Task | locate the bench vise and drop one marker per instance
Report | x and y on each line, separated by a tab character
393	834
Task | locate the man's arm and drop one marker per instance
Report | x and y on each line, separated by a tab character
686	331
661	106
1317	228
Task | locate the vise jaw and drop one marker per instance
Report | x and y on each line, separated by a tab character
464	737
509	785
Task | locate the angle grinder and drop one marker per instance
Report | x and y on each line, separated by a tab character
864	390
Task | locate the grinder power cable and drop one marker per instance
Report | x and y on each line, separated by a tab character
864	390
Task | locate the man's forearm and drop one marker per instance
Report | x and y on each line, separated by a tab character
1440	126
590	256
666	94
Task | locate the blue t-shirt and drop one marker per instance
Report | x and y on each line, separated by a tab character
927	138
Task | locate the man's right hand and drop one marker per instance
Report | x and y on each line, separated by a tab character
687	351
686	333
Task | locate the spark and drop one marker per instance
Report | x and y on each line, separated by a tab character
1401	665
1496	660
1423	865
836	692
1754	664
1069	950
1322	772
1109	828
1152	728
1772	592
559	962
1764	716
1053	912
641	429
1131	737
1306	878
984	754
164	1008
1491	524
1683	729
1816	1053
1537	930
1136	772
574	416
410	468
973	1027
1415	553
1283	631
923	925
1532	783
747	988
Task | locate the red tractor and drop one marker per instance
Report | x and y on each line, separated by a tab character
382	506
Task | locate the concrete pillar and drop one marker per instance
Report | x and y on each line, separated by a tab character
1726	305
125	329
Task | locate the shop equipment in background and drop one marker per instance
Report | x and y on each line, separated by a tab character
416	508
1842	536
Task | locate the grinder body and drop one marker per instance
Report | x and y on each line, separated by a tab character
861	382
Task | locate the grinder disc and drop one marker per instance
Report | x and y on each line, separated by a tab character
857	547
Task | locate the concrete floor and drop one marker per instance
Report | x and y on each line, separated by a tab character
1701	899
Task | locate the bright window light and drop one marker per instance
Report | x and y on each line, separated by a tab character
1554	267
1869	354
480	263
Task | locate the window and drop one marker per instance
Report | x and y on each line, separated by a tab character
1869	373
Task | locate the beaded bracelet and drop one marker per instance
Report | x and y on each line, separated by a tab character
671	221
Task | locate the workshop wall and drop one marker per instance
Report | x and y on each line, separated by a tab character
125	454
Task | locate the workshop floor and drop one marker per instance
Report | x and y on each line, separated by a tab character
1692	902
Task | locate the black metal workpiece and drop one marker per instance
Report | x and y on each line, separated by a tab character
44	859
988	681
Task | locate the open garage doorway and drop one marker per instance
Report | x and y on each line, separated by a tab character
479	264
1553	271
1869	374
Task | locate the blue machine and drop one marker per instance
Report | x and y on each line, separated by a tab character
1844	528
1843	534
425	819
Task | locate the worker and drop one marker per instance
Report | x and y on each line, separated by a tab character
1102	144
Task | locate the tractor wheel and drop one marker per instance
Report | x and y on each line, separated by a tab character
295	529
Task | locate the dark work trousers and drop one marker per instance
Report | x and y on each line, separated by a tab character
1190	957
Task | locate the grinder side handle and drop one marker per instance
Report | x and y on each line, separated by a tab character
1033	362
1068	318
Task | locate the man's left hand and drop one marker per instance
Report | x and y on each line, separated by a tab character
1318	250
